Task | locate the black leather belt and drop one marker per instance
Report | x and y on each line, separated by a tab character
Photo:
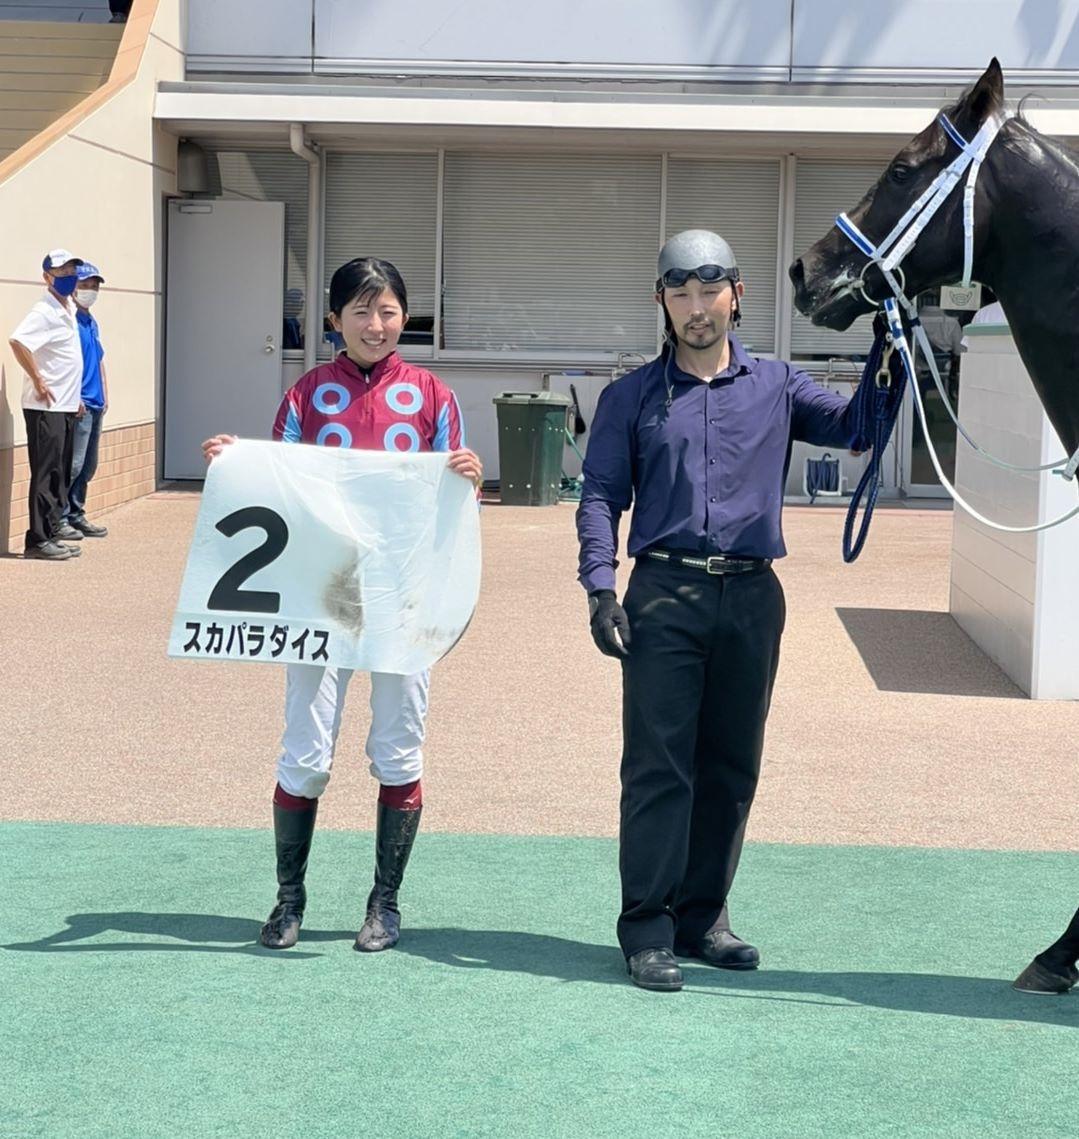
715	564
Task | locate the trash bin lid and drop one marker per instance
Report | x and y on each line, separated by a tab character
556	398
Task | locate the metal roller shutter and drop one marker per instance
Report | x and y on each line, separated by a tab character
386	206
740	200
550	253
823	190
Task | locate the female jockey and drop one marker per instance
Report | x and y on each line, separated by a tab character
367	398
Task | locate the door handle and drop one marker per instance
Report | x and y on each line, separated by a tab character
269	349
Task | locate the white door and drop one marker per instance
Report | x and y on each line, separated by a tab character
223	331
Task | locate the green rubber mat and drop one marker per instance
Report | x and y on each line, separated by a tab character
137	1002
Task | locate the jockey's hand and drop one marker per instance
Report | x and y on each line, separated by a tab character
213	446
610	625
467	464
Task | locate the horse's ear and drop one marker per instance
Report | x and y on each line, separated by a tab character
986	97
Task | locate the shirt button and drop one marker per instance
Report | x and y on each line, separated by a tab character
713	421
713	498
711	462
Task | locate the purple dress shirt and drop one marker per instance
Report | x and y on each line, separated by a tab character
707	474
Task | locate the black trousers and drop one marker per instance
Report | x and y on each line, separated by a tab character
1064	953
696	689
50	441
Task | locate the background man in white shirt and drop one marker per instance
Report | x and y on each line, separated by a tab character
46	346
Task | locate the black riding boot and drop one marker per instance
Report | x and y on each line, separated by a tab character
292	831
393	844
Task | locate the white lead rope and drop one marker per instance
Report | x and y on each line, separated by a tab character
899	340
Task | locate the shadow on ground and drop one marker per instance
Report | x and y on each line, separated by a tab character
912	650
542	955
198	933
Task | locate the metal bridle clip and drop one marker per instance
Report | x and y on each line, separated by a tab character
859	285
884	376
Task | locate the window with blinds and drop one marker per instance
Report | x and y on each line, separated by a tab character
822	190
740	201
386	205
270	176
550	253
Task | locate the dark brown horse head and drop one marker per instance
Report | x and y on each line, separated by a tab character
832	278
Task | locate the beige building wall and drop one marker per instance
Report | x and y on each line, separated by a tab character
96	182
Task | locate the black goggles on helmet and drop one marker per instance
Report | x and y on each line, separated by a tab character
706	274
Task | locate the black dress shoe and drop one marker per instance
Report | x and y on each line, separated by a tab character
724	950
48	552
89	529
655	969
1039	978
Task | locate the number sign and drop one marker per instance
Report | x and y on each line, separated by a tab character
318	555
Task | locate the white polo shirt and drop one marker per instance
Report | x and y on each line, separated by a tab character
51	333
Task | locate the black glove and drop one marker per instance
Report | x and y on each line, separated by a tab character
609	619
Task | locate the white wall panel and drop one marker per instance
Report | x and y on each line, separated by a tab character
1014	594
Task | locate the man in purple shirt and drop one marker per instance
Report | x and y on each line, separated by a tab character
699	442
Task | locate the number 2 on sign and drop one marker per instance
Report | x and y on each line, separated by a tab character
227	594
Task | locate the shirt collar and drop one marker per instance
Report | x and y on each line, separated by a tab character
379	372
49	299
740	364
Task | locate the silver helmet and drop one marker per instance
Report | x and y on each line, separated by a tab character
692	250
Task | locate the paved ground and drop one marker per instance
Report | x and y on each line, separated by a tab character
133	835
888	726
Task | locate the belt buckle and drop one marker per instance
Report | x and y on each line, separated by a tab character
718	561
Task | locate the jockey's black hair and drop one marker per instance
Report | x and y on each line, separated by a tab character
363	279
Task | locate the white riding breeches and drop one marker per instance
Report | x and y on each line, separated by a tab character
314	701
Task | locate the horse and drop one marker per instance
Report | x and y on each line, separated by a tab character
1025	241
1021	239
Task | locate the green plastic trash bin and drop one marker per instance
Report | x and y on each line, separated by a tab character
531	436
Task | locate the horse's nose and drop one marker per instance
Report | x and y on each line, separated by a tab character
797	272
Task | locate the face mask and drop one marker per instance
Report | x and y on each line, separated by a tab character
85	297
65	286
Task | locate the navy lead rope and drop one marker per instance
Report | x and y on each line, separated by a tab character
876	406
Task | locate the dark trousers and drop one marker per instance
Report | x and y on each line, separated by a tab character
1064	953
50	438
696	689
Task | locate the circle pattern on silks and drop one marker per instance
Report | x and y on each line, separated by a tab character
334	430
332	399
405	399
402	431
340	404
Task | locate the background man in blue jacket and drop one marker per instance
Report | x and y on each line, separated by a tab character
95	402
699	441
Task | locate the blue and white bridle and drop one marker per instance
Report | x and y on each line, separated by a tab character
890	252
888	255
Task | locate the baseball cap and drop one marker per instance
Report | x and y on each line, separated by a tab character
57	257
87	270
